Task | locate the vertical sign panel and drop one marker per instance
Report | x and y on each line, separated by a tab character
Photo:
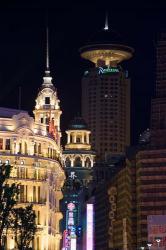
73	244
89	227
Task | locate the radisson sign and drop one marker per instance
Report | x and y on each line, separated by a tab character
107	70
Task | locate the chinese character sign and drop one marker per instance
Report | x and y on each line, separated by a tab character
157	229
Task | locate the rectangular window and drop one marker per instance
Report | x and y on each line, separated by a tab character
34	194
21	193
47	100
1	143
7	147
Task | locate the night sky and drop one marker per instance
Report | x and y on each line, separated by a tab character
71	25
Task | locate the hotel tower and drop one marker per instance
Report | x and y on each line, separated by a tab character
106	93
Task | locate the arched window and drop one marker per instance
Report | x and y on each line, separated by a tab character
68	162
77	162
87	163
20	148
25	147
39	148
35	148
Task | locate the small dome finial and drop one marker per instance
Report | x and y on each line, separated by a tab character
106	27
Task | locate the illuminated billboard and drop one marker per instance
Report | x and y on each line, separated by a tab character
69	235
89	227
73	245
157	231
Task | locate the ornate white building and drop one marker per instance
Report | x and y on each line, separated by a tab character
32	147
78	152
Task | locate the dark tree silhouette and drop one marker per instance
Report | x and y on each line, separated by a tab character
24	226
8	198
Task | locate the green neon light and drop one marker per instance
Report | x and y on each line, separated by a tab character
107	70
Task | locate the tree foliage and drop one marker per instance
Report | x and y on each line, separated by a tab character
24	226
8	199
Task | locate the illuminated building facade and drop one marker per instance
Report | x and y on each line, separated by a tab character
151	189
151	161
158	107
78	160
32	147
106	93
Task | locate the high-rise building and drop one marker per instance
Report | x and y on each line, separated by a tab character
158	109
106	93
32	147
151	165
78	159
113	205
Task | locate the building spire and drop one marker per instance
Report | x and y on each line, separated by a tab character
106	27
47	78
47	71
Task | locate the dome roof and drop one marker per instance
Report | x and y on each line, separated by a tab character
106	43
78	123
106	37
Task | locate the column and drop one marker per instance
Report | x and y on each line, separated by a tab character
31	148
87	138
82	138
14	147
91	162
4	143
83	162
74	137
68	138
72	162
25	189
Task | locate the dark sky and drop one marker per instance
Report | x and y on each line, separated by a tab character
71	24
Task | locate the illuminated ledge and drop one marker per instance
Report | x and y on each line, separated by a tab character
29	179
35	203
6	154
70	151
111	52
78	146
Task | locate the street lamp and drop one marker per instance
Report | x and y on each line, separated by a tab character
149	244
158	239
142	248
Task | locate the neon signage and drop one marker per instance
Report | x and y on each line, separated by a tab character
107	70
73	244
89	227
69	236
72	175
71	206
